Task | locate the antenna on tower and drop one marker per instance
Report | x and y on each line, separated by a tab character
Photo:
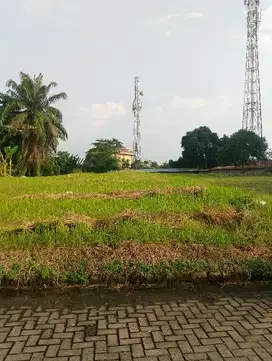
252	111
136	109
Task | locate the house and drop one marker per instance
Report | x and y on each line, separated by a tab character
125	156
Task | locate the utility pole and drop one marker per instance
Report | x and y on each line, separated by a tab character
252	111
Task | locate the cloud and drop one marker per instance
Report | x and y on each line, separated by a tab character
170	31
221	101
193	15
265	37
41	6
265	32
100	113
62	13
266	25
224	101
237	36
159	108
189	102
266	43
84	109
168	19
98	123
107	110
171	21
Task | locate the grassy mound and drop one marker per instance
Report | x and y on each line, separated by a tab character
134	228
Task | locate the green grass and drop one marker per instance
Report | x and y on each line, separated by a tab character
221	193
260	184
213	225
30	274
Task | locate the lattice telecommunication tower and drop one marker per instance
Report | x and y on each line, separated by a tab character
136	109
252	112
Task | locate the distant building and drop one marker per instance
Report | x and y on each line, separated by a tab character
125	156
232	170
265	163
255	165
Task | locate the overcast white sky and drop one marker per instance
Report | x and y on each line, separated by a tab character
189	55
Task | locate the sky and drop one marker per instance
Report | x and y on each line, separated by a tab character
189	55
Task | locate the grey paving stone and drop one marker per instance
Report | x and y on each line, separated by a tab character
228	329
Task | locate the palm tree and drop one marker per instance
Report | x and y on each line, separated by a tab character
26	110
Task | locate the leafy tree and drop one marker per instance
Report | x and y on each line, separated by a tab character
61	163
176	163
49	167
223	154
165	165
145	164
101	157
245	146
154	164
137	164
268	154
126	164
29	119
149	164
200	148
68	163
142	164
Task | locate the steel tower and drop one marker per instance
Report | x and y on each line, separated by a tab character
252	112
136	109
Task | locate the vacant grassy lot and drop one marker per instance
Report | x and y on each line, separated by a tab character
84	228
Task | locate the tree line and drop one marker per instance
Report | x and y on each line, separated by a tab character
31	128
203	149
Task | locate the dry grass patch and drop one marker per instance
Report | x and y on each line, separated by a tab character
154	253
195	191
71	221
115	221
133	251
228	218
172	219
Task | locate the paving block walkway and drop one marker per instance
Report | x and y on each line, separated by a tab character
229	328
